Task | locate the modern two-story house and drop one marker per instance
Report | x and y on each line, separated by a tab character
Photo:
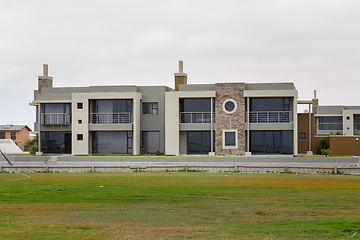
208	119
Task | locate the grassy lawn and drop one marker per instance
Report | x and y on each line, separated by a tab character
179	205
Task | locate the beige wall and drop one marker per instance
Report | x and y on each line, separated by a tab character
172	117
81	147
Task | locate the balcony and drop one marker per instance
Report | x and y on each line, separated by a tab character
55	118
196	117
110	118
271	117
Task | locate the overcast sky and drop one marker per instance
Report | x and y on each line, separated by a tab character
315	44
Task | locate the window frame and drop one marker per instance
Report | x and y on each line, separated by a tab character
300	137
80	137
2	134
13	136
224	139
79	105
152	108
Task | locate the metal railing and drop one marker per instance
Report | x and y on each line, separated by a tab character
55	118
271	117
329	126
110	118
196	117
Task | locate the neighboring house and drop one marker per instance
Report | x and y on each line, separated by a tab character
18	133
339	125
215	119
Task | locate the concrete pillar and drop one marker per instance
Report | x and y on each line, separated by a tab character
136	125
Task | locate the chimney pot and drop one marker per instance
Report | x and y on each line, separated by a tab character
45	70
181	67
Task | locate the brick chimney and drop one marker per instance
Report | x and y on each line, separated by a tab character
45	81
180	77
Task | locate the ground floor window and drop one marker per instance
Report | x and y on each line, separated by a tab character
149	141
271	142
56	142
112	142
199	142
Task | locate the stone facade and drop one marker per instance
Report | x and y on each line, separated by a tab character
234	121
44	82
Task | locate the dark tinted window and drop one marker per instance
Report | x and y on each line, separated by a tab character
119	142
80	105
112	106
269	104
196	105
230	138
2	135
302	136
56	142
13	135
199	142
229	106
271	142
150	108
330	119
56	108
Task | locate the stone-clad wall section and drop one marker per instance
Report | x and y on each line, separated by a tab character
225	91
44	82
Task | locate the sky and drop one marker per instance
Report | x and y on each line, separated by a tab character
314	44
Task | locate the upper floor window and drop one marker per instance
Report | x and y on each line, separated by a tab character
112	106
2	135
150	108
55	113
356	122
330	123
13	135
196	105
270	104
115	111
196	110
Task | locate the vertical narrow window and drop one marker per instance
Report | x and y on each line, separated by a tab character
13	135
2	135
302	136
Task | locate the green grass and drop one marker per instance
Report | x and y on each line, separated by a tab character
179	205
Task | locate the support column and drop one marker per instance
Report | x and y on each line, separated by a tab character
310	153
248	153
211	127
136	126
39	153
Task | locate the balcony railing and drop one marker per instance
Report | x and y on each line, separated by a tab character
196	117
110	118
271	117
55	118
329	126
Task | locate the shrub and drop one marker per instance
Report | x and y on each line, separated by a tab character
331	132
158	153
323	145
326	152
338	133
32	145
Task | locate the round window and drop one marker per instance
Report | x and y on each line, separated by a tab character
347	118
229	106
